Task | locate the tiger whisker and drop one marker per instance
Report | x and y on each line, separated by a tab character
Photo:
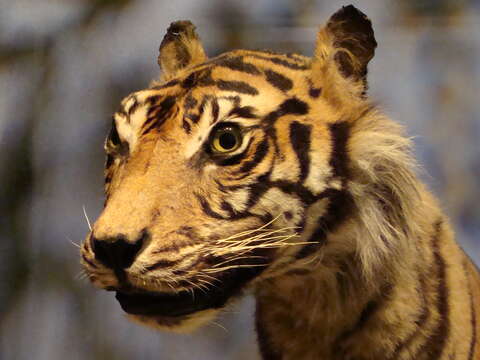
200	287
262	234
206	283
257	240
74	244
210	277
218	325
82	275
232	267
237	258
235	236
86	218
274	242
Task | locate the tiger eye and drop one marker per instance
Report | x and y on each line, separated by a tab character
226	139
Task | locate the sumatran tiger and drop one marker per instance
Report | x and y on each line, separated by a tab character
275	173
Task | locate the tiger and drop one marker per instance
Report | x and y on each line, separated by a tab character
276	174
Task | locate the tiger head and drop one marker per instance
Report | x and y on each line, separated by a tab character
242	168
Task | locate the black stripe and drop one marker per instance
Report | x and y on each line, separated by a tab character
267	349
228	208
237	86
235	99
190	102
231	160
340	132
113	136
187	231
194	117
473	318
300	139
263	184
204	78
215	110
154	99
88	261
237	64
435	344
164	263
186	126
119	147
339	208
280	62
109	161
278	80
424	315
134	106
246	112
293	106
166	85
289	106
190	81
303	193
260	153
296	57
157	114
370	309
175	247
203	104
207	209
256	190
108	178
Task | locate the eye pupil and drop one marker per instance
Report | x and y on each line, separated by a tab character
227	140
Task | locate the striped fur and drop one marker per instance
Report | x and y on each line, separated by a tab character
318	210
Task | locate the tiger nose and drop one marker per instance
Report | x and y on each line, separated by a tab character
116	252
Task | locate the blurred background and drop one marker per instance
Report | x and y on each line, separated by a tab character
65	65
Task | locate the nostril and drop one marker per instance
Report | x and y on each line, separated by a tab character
116	253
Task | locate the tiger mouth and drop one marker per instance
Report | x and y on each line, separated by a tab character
186	302
169	305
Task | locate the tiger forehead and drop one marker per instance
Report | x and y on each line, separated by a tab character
222	88
247	67
237	59
268	65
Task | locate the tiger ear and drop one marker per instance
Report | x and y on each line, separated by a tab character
180	48
348	41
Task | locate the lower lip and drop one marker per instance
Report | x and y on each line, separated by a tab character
169	305
230	283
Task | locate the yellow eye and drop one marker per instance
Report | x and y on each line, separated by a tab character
226	139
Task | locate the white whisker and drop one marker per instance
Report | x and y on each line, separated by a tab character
73	243
219	325
86	218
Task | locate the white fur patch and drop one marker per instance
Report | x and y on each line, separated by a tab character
276	202
238	199
128	127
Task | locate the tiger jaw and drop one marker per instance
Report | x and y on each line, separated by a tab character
185	302
175	311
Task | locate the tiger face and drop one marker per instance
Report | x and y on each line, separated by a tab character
228	172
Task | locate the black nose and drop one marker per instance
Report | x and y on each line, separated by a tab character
116	253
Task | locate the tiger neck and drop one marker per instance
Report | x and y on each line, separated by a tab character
329	311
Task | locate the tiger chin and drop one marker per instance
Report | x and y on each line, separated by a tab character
276	174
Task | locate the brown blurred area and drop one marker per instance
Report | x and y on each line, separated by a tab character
64	67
